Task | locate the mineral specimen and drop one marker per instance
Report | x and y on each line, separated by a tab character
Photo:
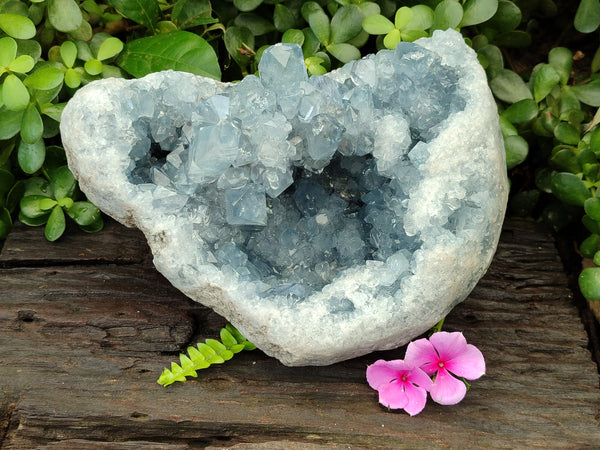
325	217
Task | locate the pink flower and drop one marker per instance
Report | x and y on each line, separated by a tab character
400	385
444	355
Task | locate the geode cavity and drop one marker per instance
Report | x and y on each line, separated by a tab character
325	217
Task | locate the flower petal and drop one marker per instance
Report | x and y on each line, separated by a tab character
400	365
380	373
469	364
447	390
420	378
448	345
421	353
393	395
416	398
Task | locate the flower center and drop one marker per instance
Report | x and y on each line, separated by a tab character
441	364
403	378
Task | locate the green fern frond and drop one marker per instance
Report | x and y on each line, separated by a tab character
204	354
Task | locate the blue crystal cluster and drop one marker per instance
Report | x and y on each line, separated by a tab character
324	217
298	178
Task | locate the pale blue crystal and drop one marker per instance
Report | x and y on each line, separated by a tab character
213	150
246	205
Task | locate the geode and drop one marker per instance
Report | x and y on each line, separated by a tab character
325	217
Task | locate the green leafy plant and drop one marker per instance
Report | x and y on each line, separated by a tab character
335	35
204	354
409	24
10	193
587	17
46	201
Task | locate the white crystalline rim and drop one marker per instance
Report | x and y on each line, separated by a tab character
447	268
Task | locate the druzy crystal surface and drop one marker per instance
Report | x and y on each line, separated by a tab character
325	217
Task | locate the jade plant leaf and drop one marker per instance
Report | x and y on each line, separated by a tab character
64	15
283	18
566	133
11	123
517	149
570	189
17	26
589	283
592	208
8	50
37	186
507	17
56	224
22	64
392	39
565	159
403	17
561	59
377	24
509	87
317	20
344	52
30	207
478	11
72	78
293	36
109	48
94	227
31	156
53	110
495	60
587	17
546	79
346	23
413	35
568	101
83	213
247	5
178	50
521	112
47	203
14	94
46	78
447	14
63	183
422	18
93	66
588	93
589	246
32	126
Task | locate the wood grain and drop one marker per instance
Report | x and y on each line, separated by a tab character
85	334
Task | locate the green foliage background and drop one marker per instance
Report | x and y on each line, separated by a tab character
547	95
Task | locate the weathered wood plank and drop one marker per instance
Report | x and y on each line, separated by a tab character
25	246
82	347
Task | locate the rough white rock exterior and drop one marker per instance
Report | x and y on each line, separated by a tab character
363	264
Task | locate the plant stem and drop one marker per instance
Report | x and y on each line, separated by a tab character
437	327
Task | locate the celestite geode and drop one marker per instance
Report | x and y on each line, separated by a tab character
325	217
